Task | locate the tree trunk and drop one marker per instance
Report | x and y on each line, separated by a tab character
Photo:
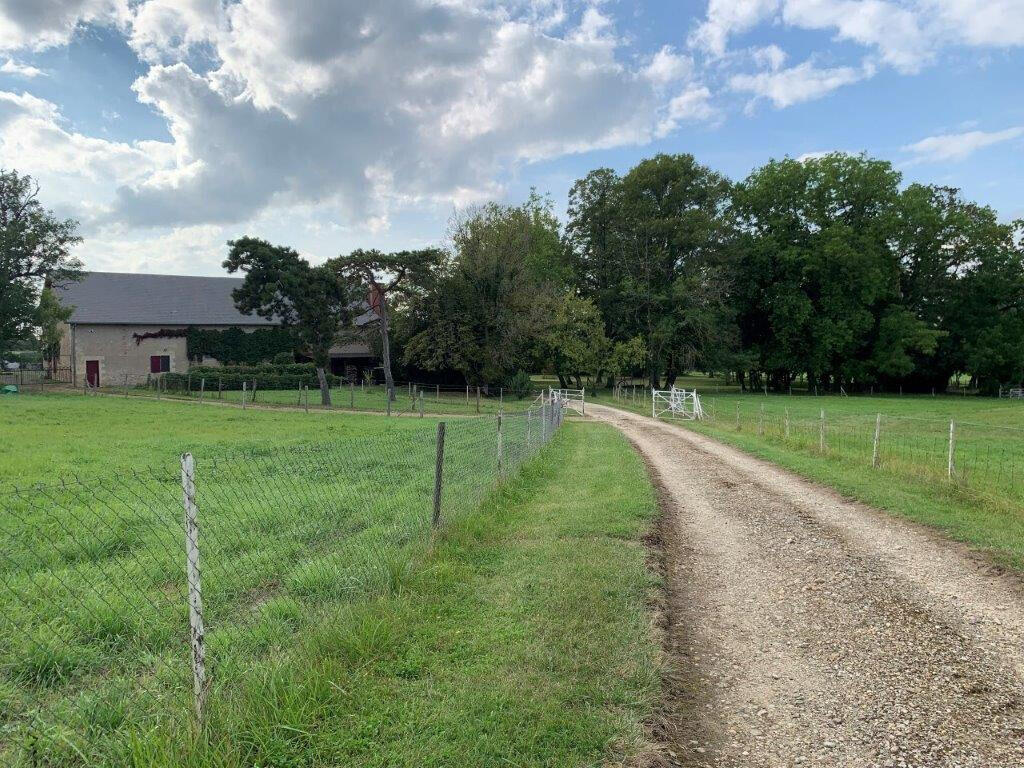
561	382
385	343
325	389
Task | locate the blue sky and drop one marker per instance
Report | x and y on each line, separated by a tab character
170	126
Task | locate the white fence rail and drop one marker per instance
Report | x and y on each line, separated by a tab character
676	404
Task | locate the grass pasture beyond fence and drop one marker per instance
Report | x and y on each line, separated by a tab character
99	626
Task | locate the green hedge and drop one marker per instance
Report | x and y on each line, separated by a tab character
267	369
220	378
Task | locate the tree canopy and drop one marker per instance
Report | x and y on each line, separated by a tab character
35	248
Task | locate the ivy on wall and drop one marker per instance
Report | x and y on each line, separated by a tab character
230	346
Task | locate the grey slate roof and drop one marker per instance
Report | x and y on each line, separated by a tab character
130	299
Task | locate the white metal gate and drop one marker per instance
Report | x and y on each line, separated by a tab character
568	396
677	403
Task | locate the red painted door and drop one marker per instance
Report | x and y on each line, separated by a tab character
92	372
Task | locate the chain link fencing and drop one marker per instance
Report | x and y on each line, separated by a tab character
136	604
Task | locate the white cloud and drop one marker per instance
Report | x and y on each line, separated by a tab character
12	67
958	146
793	85
667	66
729	17
39	24
893	30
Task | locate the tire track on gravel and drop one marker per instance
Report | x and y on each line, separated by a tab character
805	629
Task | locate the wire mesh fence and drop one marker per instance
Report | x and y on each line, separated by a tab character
136	604
984	459
411	399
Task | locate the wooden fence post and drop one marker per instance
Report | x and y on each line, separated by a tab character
760	422
305	398
197	639
245	388
821	432
878	437
438	475
299	401
438	395
478	399
737	417
467	394
352	395
419	397
220	388
254	389
951	464
202	388
787	423
529	427
501	447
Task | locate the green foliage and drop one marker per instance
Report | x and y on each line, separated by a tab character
35	247
650	249
272	376
485	312
315	303
520	385
49	317
233	346
576	343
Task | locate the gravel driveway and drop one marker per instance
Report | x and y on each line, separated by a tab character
805	629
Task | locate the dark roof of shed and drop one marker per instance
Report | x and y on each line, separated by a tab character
132	299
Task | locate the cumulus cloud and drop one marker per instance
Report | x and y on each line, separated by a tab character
958	146
729	17
41	24
803	82
667	66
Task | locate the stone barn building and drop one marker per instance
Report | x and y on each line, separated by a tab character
132	324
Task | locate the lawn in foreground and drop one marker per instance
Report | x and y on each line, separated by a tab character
335	633
981	506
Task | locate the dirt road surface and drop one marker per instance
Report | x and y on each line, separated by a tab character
803	629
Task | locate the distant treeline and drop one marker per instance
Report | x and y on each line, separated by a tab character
825	269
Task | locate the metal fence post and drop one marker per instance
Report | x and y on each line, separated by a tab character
878	436
501	447
951	464
529	428
438	476
195	588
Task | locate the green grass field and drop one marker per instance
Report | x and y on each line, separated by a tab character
983	504
339	631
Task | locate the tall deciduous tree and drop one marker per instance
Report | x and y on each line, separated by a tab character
35	246
650	248
385	276
316	303
488	308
